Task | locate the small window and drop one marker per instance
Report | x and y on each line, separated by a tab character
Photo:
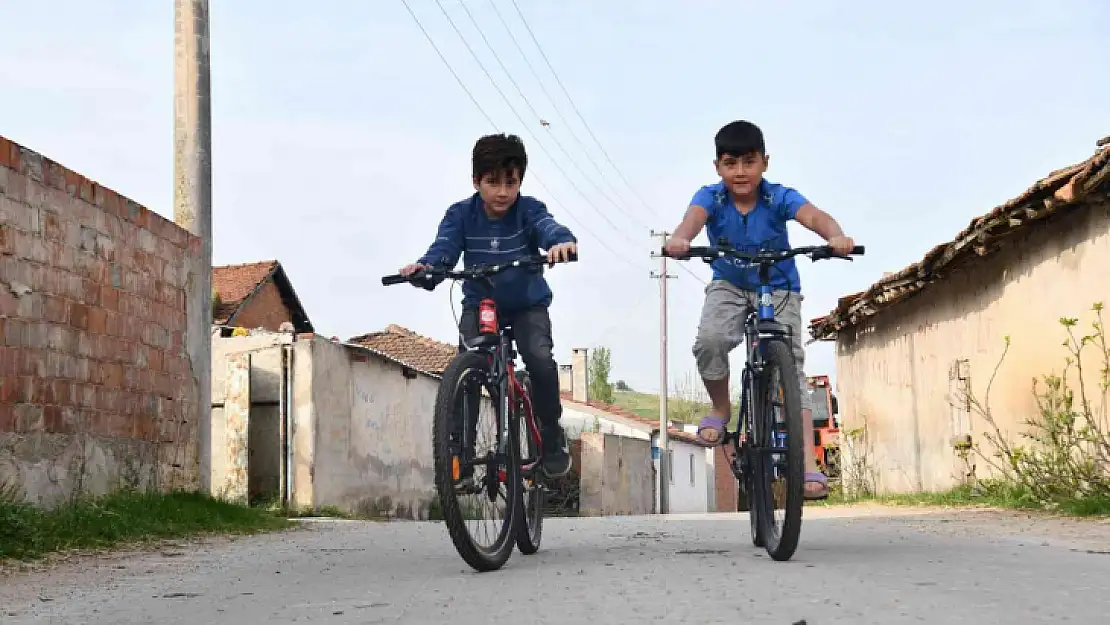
691	469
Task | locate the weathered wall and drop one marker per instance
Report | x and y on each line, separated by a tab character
894	374
617	477
687	495
264	455
373	447
265	309
96	390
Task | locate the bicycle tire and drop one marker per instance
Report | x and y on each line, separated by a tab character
781	545
530	529
482	560
744	456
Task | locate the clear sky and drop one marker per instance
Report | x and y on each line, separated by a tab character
340	138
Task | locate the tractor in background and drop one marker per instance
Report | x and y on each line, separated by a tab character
826	434
826	425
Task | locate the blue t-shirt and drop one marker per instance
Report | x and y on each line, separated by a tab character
526	228
764	228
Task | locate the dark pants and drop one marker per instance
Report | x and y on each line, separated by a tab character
532	331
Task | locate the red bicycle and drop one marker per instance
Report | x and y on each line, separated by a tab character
482	385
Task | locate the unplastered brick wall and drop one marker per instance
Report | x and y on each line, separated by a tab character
96	389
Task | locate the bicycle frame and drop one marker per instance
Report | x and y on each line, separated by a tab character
759	326
510	392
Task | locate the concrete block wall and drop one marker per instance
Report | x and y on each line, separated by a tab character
617	475
96	389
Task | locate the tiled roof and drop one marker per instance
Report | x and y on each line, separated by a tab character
408	347
235	283
1069	188
653	424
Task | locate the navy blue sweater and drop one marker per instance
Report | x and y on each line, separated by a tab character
525	229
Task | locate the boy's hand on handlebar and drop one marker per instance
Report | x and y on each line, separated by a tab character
561	252
677	246
842	245
408	270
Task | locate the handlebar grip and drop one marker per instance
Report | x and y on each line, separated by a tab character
394	279
858	250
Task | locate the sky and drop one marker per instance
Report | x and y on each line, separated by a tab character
340	137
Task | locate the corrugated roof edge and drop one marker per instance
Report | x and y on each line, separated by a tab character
1071	186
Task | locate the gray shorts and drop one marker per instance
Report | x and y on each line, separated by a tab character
721	329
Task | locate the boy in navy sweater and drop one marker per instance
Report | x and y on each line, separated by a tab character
496	225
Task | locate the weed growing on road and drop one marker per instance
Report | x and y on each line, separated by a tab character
28	532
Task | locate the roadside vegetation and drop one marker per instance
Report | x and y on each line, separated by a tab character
119	519
1060	462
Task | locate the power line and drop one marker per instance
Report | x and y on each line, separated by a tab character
528	103
539	118
552	100
492	123
575	107
554	106
524	124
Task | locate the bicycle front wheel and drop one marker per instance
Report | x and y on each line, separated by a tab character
478	483
530	513
779	464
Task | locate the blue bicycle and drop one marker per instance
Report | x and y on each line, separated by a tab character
769	460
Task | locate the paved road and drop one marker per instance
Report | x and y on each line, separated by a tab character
854	566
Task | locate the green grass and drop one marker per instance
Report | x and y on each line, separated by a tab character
647	405
27	532
985	496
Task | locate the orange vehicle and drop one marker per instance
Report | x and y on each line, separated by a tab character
826	425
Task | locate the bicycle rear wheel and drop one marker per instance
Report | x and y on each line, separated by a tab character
779	471
478	486
530	529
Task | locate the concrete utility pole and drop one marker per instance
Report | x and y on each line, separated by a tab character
192	202
664	386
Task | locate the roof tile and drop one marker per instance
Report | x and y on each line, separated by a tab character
404	345
235	283
985	235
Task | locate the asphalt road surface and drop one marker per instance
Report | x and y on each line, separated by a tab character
859	565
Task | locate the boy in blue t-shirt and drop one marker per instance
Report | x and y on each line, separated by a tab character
496	225
751	213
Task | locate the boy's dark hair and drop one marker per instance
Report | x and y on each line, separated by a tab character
739	138
499	154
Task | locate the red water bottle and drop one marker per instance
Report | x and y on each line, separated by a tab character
487	317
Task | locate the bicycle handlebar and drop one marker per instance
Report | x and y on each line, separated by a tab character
483	271
723	249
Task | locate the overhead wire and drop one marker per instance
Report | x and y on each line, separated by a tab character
555	107
481	109
539	118
524	124
574	106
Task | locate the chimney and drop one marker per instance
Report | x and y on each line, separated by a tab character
579	380
565	377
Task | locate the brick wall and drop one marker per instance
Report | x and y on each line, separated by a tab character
725	485
265	309
96	390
